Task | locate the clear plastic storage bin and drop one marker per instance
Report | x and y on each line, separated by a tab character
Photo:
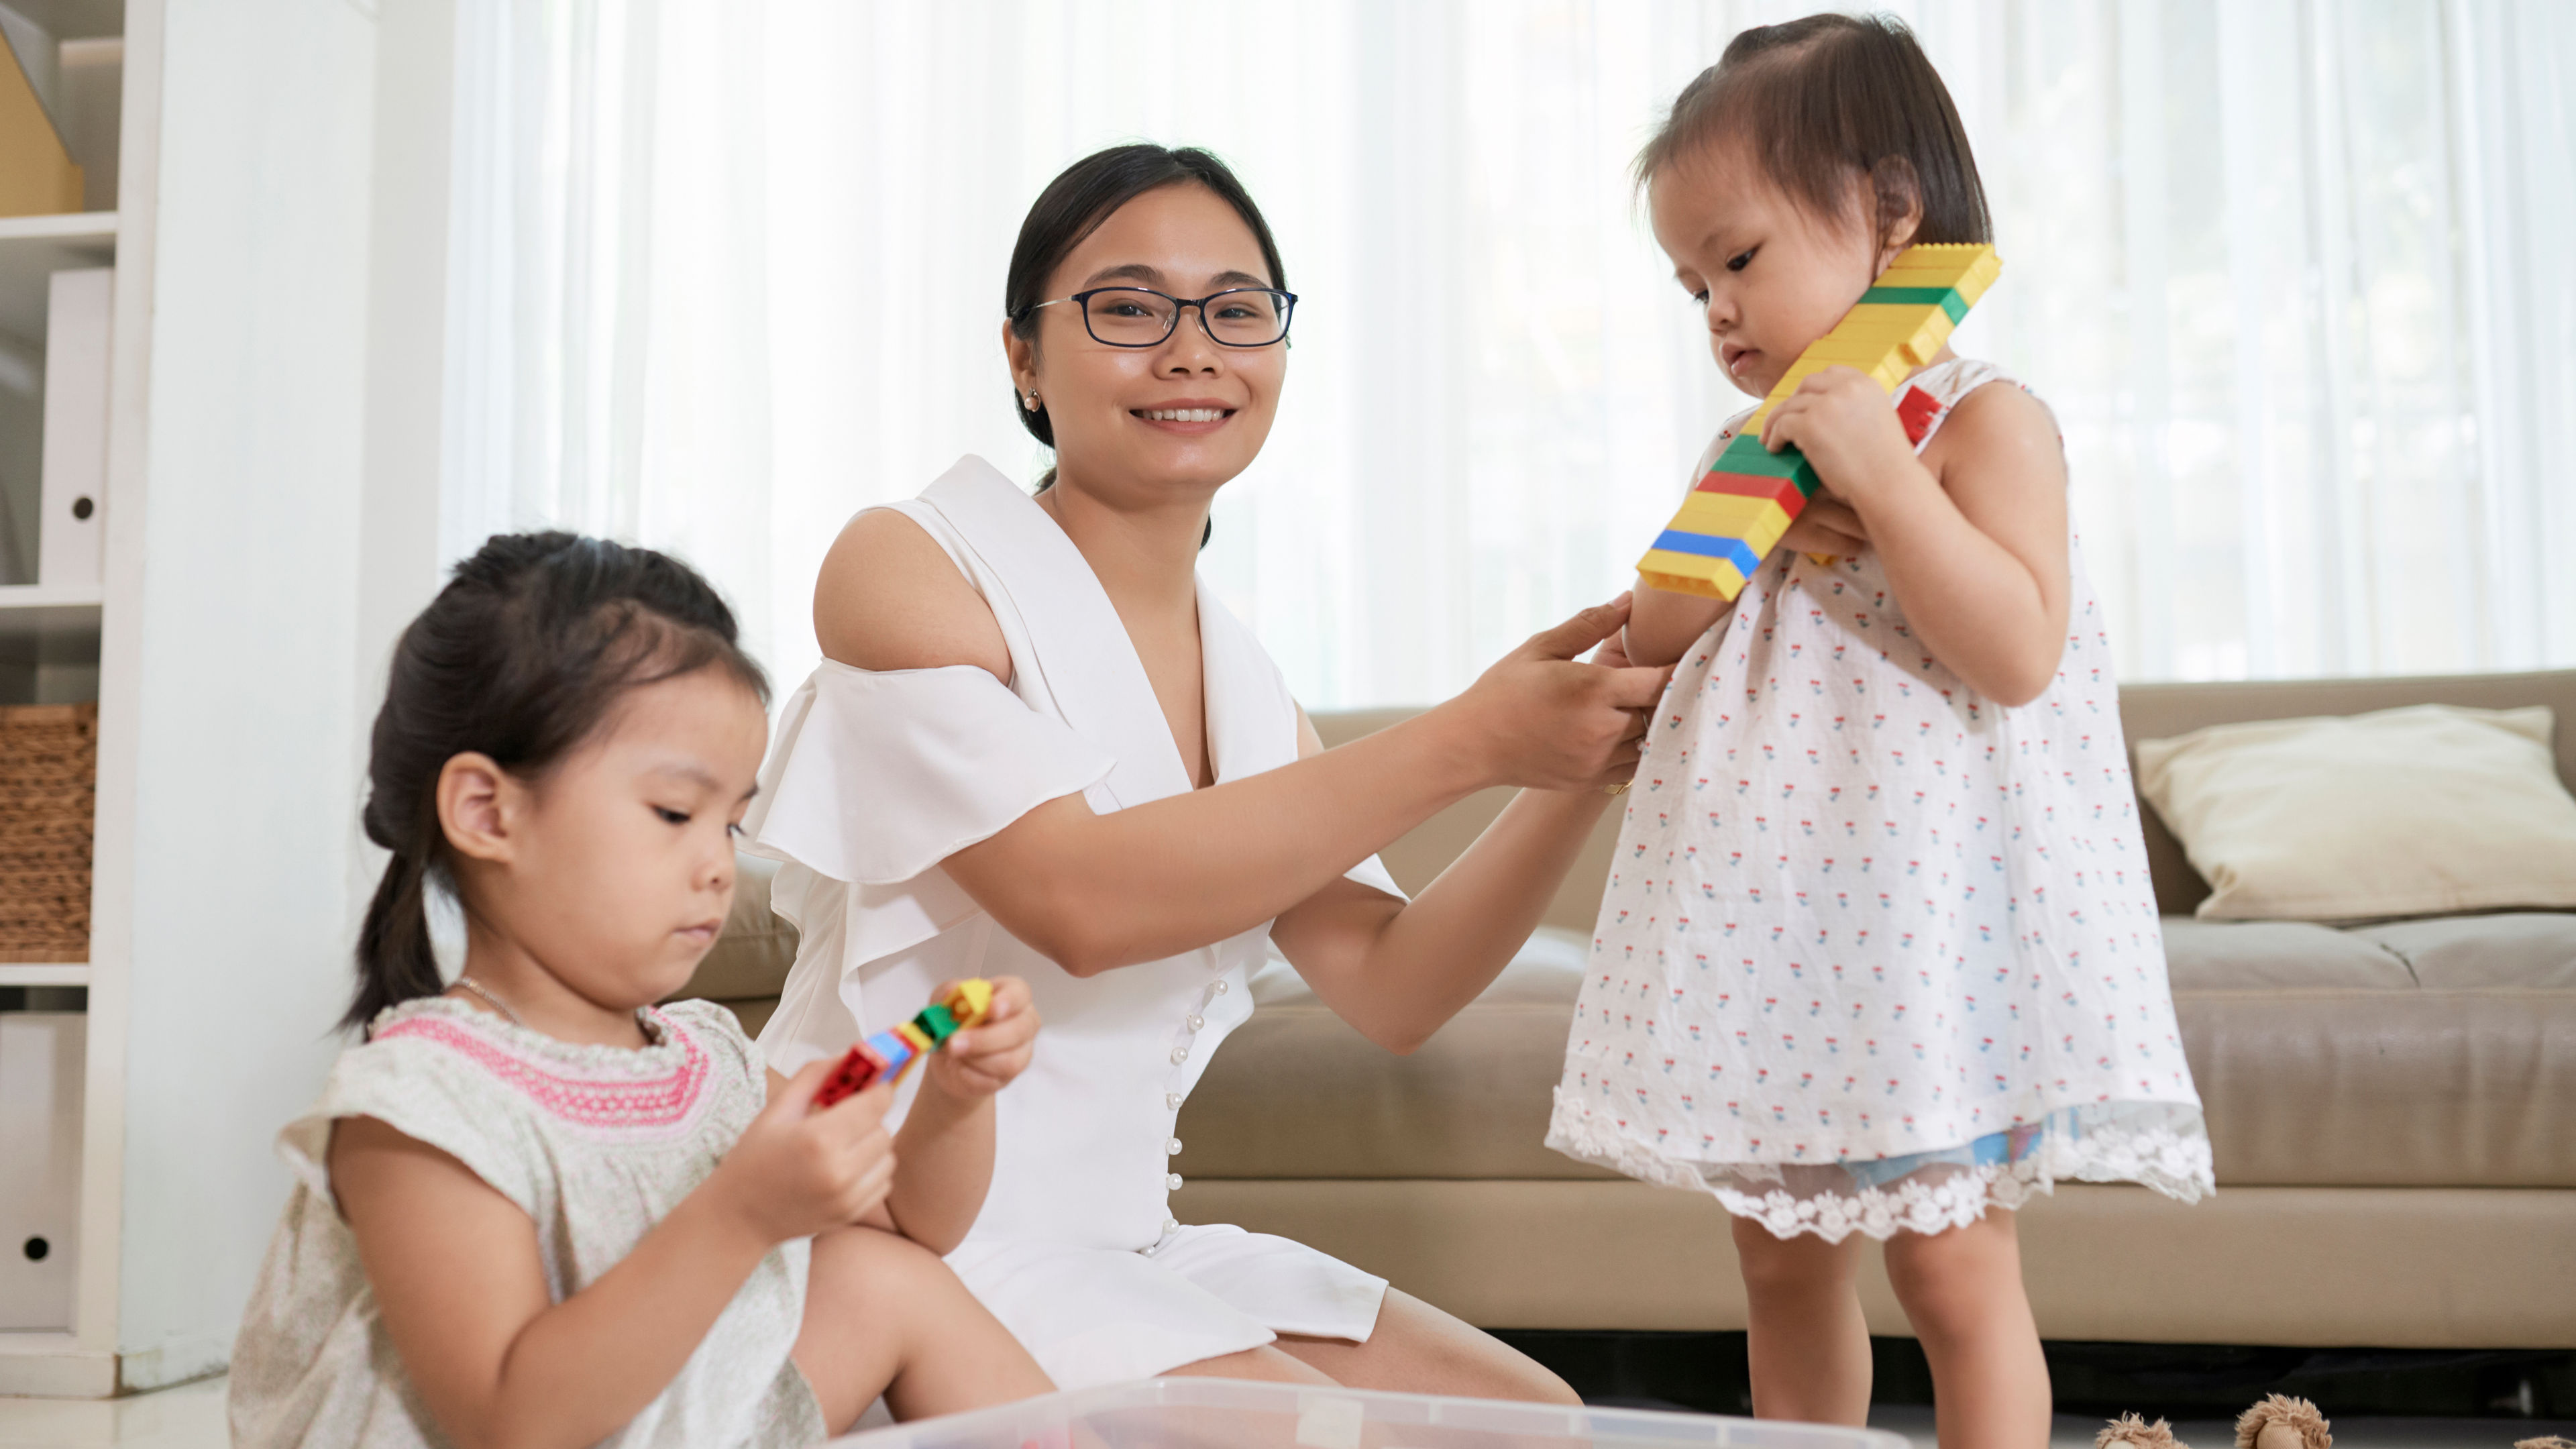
1194	1413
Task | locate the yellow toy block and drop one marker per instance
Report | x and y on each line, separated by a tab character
1967	268
1682	573
915	1038
970	1002
1719	534
1757	521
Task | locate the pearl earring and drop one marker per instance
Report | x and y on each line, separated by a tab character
1030	402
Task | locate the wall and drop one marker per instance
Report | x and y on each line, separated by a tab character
251	565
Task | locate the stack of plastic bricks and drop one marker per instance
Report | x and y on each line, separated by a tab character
888	1053
1739	510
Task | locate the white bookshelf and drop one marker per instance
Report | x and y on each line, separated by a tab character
33	248
269	519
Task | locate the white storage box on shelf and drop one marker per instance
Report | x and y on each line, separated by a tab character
75	473
40	1128
1208	1413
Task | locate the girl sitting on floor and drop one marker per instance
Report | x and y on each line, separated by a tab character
533	1208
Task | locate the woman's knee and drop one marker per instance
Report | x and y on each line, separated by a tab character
1267	1364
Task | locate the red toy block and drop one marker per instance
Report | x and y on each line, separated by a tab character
857	1071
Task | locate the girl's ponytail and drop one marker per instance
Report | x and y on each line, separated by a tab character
519	658
395	959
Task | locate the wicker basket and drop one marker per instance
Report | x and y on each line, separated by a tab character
48	797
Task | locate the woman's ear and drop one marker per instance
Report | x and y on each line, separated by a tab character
479	805
1022	354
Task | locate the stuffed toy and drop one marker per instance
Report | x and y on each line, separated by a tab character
2282	1422
2132	1432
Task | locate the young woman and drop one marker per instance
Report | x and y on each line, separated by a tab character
1039	746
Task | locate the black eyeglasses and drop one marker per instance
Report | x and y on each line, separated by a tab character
1143	317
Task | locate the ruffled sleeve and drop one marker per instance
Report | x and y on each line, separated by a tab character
431	1094
877	777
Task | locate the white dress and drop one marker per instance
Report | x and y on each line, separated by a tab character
1876	951
595	1144
875	778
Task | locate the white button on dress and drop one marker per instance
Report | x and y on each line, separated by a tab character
874	777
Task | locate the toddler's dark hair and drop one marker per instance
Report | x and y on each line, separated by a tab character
521	657
1825	101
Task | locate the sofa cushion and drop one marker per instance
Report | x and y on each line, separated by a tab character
2159	711
2402	812
2426	1054
2266	956
1298	1093
2523	951
2321	1059
751	955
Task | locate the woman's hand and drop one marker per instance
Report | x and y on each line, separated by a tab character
795	1171
1544	720
982	1059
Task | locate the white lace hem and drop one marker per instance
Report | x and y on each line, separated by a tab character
2159	1145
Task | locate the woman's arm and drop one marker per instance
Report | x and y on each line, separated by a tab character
458	1279
1397	970
1975	551
1092	892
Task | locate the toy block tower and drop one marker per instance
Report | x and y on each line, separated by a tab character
1739	510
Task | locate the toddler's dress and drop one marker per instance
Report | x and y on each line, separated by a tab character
1876	951
596	1144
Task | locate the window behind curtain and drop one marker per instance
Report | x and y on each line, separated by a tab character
2290	273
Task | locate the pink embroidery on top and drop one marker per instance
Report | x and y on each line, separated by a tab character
588	1101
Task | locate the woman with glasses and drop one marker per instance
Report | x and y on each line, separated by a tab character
1039	746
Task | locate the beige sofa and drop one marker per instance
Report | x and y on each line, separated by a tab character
2392	1109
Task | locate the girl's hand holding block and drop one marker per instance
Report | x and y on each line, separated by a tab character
799	1169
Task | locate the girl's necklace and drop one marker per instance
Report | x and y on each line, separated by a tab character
487	993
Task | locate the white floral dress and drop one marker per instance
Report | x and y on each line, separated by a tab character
595	1144
1877	952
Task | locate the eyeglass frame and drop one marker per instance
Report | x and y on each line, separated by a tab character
1287	314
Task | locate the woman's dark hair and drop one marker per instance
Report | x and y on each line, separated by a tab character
1079	199
521	657
1828	100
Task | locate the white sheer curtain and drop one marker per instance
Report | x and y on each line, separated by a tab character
2291	271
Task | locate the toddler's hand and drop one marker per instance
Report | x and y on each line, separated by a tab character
1826	525
983	1059
795	1171
1841	421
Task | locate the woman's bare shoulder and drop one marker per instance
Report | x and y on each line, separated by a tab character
889	597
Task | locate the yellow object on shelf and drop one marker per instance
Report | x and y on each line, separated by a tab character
37	175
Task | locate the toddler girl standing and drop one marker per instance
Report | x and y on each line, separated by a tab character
1879	954
533	1208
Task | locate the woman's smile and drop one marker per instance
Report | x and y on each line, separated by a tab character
1189	417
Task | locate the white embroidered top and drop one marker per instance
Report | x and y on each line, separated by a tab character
1877	951
595	1144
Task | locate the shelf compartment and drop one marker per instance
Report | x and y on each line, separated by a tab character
33	248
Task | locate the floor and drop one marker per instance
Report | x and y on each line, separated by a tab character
192	1417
